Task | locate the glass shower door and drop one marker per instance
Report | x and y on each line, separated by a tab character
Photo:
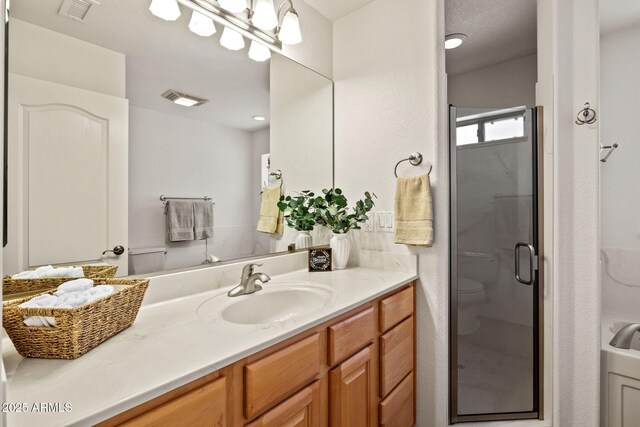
494	294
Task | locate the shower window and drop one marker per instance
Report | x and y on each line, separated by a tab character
491	127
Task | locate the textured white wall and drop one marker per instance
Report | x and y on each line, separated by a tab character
388	61
508	84
44	54
620	91
176	156
576	245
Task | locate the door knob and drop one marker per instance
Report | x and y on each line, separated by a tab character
117	250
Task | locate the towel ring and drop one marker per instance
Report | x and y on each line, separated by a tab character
415	159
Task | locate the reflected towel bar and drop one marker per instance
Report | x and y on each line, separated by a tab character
164	198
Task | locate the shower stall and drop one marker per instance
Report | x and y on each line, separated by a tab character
495	277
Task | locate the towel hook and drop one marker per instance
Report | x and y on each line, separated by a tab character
415	159
277	174
588	115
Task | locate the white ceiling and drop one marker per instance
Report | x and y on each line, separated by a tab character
163	55
336	9
618	14
497	30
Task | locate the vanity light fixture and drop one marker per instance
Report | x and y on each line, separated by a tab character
165	9
261	24
233	6
201	25
259	118
183	99
289	30
259	52
453	41
231	39
264	15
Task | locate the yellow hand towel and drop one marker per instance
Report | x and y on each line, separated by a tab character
269	213
414	211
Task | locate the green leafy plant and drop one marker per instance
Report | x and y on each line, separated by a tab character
332	210
299	211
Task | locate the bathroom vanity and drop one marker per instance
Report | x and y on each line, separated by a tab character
349	361
354	369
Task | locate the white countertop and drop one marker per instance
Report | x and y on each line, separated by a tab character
169	346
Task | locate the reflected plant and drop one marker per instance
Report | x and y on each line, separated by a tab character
299	211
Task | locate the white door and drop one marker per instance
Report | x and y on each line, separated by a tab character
68	176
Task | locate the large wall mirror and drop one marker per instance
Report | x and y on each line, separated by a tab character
93	144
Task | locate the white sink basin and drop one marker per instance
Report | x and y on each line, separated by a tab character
276	302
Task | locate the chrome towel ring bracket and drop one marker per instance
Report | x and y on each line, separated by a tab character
586	116
415	159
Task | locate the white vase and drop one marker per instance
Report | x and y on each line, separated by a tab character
340	249
303	240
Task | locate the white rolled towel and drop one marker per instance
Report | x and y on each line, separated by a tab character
98	292
26	275
78	285
44	270
74	299
36	303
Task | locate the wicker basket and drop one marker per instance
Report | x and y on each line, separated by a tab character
17	286
79	329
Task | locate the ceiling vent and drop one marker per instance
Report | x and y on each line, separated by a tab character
76	10
183	99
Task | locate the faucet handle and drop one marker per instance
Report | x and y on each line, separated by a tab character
247	270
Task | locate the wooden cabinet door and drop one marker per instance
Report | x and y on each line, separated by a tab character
350	391
300	410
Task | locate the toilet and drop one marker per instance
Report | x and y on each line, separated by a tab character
146	260
476	269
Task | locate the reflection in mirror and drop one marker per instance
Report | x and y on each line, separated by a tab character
491	65
109	114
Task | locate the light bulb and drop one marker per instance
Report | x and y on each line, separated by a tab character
259	52
233	6
290	29
453	41
165	9
264	15
231	39
201	25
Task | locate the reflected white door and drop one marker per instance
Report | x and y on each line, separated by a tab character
68	175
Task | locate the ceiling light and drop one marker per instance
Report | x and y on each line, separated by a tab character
259	52
233	6
453	41
231	39
289	31
183	99
259	118
264	15
165	9
201	25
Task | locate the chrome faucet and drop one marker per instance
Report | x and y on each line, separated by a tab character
248	281
625	335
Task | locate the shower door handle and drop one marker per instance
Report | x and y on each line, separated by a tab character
532	263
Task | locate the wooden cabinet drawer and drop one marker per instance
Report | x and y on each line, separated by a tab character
350	335
270	379
397	409
203	406
395	308
301	409
396	355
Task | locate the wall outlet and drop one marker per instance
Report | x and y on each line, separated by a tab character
368	225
